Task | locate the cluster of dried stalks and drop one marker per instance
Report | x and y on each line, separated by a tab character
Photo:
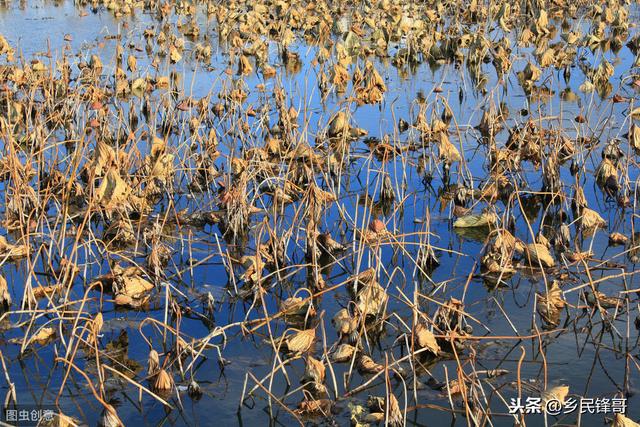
114	172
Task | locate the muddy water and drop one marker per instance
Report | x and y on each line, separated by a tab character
581	353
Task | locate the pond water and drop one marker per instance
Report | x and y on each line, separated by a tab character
592	350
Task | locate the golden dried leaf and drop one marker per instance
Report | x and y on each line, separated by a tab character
558	393
616	238
314	371
314	407
301	341
42	337
343	353
621	421
448	152
485	219
537	254
366	365
426	339
5	296
592	219
153	362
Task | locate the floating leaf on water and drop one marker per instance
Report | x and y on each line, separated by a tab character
343	353
558	393
616	238
591	219
537	254
314	371
12	251
343	322
371	299
485	219
366	365
313	408
41	337
426	339
599	299
296	306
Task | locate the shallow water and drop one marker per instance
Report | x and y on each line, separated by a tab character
577	354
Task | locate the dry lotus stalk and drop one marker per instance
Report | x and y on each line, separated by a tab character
163	381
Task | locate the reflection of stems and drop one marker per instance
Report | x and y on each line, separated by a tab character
278	401
86	377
